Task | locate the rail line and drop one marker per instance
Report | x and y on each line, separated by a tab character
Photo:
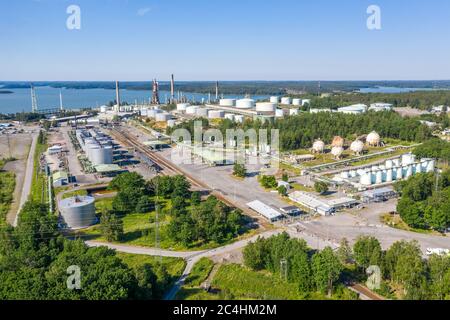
171	169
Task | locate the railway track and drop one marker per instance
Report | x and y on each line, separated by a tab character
171	169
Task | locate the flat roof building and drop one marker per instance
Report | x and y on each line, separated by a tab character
322	206
267	212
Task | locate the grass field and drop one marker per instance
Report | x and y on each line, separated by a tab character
398	223
7	185
199	273
39	183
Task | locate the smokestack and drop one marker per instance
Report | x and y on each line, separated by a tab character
117	96
217	90
172	90
61	108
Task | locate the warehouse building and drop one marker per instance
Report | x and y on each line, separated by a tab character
321	206
267	212
378	195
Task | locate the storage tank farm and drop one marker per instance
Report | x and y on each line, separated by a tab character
97	146
390	171
78	212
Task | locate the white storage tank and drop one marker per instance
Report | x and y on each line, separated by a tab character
337	152
202	112
431	166
103	109
279	113
407	159
319	146
78	212
389	175
181	107
216	114
399	175
379	177
153	113
245	104
389	164
163	117
297	102
345	175
306	101
101	155
227	102
171	123
191	110
266	107
239	118
357	147
286	100
293	112
366	179
373	139
274	99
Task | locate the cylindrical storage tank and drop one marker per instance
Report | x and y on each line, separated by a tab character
375	168
216	114
229	116
297	102
418	168
227	102
345	175
389	164
293	112
275	99
389	175
202	112
373	177
153	113
144	112
407	159
431	166
171	123
245	103
361	172
286	100
396	162
163	117
78	212
353	174
409	171
103	109
279	113
239	118
266	107
379	177
182	107
191	110
366	179
92	153
399	175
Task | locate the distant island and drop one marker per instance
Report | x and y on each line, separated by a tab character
6	92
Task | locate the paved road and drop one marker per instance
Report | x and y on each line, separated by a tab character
26	189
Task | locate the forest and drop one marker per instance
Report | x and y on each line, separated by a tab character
404	273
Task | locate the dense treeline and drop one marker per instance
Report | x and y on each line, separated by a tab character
420	99
35	259
7	185
423	204
301	131
404	273
434	148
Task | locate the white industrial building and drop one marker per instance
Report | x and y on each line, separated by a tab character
391	171
380	106
267	212
323	207
353	109
319	110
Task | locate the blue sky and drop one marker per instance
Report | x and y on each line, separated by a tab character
225	40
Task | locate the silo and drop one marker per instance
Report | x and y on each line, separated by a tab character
345	175
202	112
92	152
293	112
399	175
389	164
275	99
431	166
239	118
389	175
245	103
409	171
216	114
396	162
297	102
266	107
366	179
373	177
418	168
353	174
286	100
227	102
407	159
78	212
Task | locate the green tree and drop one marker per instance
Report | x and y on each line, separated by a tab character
239	170
344	252
321	187
326	270
367	251
111	226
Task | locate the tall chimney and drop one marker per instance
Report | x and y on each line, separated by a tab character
117	96
172	90
217	90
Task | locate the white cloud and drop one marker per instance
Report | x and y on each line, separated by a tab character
143	11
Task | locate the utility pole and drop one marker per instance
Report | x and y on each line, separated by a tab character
157	244
284	269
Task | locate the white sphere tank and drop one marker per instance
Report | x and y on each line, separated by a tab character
239	118
297	102
274	99
319	146
279	113
191	110
245	103
227	102
182	107
266	107
357	146
373	139
293	112
337	152
216	114
202	112
286	100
